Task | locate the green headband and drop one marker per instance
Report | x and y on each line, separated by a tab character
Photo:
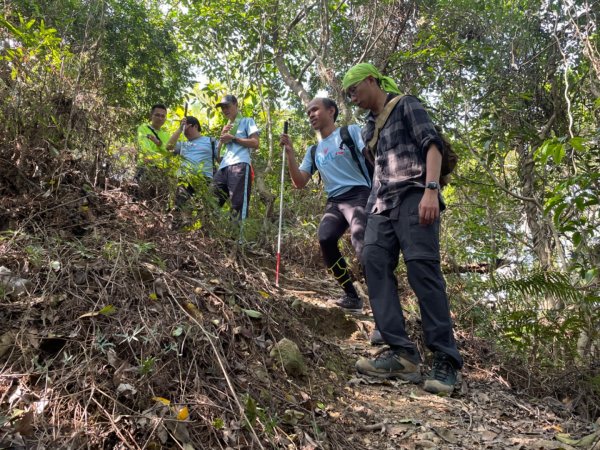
361	71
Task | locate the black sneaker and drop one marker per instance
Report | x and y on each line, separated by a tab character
442	378
350	303
390	364
376	338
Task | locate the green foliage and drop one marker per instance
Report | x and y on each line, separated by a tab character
540	284
147	365
37	43
254	413
536	317
132	45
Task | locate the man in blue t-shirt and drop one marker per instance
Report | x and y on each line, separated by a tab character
198	154
233	179
347	186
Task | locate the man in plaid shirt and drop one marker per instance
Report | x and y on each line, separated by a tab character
403	215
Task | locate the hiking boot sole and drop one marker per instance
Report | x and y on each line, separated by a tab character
354	311
364	368
437	387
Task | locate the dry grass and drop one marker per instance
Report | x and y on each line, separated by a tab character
123	311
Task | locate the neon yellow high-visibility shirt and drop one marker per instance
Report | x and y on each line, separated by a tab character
148	151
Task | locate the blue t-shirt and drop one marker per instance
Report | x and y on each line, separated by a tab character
333	159
197	156
237	153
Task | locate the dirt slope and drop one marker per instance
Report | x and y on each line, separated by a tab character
133	335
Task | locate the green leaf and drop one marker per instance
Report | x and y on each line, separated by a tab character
577	143
542	152
558	153
552	201
557	213
108	310
250	409
584	442
590	275
252	313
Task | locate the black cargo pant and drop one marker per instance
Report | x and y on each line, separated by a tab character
386	235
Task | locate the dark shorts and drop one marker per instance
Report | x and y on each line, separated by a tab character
234	182
341	213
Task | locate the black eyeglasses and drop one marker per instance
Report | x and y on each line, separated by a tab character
351	91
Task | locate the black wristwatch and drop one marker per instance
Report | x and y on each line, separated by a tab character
433	185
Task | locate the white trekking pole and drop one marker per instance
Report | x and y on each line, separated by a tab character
285	130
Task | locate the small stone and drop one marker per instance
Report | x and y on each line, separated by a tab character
288	353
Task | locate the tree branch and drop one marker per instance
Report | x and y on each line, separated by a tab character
289	79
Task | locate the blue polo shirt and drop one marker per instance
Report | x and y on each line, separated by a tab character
334	161
197	156
237	153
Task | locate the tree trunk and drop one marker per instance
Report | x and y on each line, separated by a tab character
541	233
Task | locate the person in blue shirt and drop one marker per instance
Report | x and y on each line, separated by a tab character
198	153
233	179
347	190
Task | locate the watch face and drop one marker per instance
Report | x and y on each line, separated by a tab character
432	185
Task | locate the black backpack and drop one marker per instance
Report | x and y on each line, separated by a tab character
349	142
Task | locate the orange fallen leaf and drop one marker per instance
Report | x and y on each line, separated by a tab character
183	413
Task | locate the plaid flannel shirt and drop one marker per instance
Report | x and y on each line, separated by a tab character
401	152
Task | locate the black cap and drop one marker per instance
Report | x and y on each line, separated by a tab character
191	120
227	100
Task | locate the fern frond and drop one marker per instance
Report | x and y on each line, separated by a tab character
540	284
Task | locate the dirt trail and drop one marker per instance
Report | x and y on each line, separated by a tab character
483	412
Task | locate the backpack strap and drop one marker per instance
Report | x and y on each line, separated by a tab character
154	133
213	153
349	142
380	122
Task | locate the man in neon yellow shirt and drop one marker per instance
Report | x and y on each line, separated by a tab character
152	141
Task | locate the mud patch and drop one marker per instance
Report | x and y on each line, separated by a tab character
327	321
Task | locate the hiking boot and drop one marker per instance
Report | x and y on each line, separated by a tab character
442	377
376	338
350	303
390	364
